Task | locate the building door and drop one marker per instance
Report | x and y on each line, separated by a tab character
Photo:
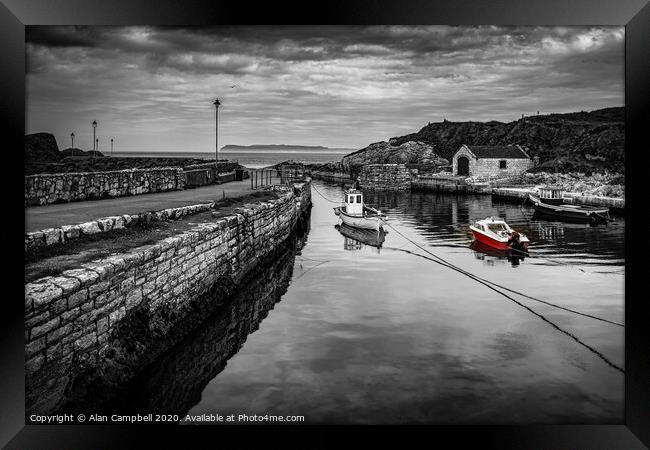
463	166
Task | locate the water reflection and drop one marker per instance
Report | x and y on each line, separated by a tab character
357	238
174	383
362	337
444	219
490	255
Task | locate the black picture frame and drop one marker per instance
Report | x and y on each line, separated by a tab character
633	14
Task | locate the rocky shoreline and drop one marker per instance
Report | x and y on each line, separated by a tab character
596	184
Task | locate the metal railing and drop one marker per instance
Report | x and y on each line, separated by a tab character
292	173
261	178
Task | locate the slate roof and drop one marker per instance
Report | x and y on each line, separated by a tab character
497	151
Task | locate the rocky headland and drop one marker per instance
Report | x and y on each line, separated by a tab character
581	151
580	142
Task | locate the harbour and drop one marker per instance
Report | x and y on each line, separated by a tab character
326	225
377	335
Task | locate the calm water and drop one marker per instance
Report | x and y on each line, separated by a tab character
254	159
343	332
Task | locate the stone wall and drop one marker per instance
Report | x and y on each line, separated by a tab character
74	322
67	233
385	176
205	176
450	185
44	189
175	381
517	195
338	177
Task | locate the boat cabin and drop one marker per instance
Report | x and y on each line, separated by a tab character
353	202
551	195
494	224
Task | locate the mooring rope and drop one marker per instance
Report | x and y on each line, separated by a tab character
309	270
329	200
517	292
555	262
488	284
523	213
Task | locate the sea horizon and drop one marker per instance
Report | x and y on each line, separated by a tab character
251	159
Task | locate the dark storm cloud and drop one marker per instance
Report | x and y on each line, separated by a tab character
329	85
62	36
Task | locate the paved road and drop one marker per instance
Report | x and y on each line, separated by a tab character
52	216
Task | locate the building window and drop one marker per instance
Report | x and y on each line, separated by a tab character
502	164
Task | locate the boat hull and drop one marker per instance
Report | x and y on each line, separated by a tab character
491	251
486	240
373	238
570	213
364	222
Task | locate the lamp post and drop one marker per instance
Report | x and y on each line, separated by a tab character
94	127
111	146
96	147
72	144
216	140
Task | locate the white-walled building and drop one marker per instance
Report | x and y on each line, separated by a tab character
490	160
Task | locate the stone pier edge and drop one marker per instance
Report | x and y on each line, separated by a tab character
69	317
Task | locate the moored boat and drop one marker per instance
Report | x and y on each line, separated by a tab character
372	238
550	202
354	213
496	233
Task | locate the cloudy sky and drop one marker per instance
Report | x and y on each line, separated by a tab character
151	88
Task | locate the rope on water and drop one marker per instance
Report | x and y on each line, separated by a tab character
555	262
329	200
452	266
488	284
523	213
309	270
519	293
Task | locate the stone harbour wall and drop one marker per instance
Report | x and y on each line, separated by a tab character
339	177
176	379
67	233
74	321
385	176
517	195
44	189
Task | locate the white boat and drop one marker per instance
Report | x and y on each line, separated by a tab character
354	213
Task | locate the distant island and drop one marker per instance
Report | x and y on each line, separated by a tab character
273	147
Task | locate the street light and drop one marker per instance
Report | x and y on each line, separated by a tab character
111	146
72	144
94	127
216	140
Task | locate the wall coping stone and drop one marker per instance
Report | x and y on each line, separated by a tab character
123	171
44	291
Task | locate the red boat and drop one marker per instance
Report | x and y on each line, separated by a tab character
496	233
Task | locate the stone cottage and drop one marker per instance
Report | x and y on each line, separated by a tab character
490	160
